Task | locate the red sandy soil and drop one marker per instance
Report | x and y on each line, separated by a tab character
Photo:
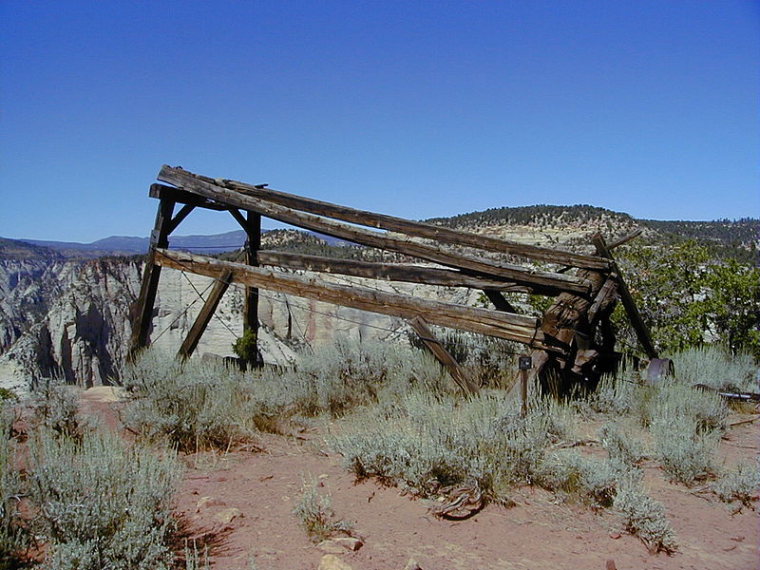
258	491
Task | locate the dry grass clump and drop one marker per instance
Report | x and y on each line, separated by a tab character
13	538
315	512
739	485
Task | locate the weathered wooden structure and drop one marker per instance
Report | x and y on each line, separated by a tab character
574	340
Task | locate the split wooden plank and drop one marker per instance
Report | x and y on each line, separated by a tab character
387	271
419	325
642	331
408	227
483	321
204	317
540	281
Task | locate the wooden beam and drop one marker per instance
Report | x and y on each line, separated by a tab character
462	380
239	218
642	331
159	238
204	317
541	281
181	215
251	306
499	301
483	321
387	271
179	196
625	239
394	224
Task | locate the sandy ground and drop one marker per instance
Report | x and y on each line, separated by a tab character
241	503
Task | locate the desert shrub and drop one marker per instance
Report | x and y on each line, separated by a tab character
12	534
577	477
613	396
489	361
684	451
621	445
56	407
644	517
348	374
714	366
741	484
102	504
196	404
315	512
425	441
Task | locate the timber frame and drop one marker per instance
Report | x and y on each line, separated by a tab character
573	341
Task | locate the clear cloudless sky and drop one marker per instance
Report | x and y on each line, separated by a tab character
417	109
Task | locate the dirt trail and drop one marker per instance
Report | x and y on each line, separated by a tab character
247	499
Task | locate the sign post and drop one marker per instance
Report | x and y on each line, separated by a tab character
525	363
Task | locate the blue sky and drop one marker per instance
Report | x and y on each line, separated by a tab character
417	109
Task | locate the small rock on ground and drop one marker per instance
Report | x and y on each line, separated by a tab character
332	562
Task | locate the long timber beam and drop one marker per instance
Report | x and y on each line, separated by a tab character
387	271
401	225
539	281
518	328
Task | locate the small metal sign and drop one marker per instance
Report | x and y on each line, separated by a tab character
525	363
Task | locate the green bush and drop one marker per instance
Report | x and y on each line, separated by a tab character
102	504
245	346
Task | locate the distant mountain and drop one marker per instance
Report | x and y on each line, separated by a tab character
15	249
128	245
542	224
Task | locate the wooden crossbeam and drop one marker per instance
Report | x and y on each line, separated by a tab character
163	192
499	301
459	376
483	321
540	281
642	331
387	271
204	317
408	227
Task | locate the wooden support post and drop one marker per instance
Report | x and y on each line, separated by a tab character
642	331
457	374
159	238
251	307
201	322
